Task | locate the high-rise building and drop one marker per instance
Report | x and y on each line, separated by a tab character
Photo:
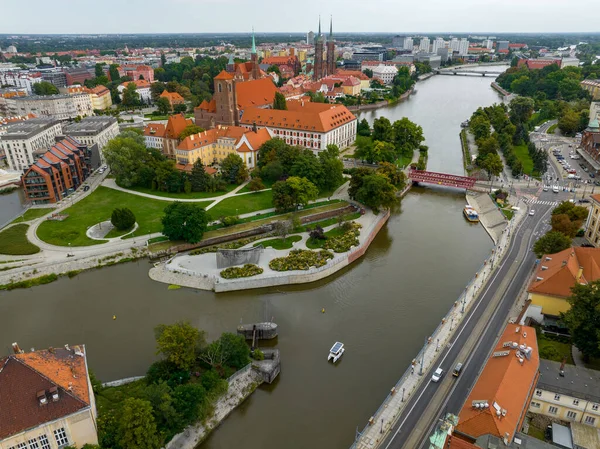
463	47
310	38
408	43
397	41
454	46
437	44
502	45
319	67
424	44
487	43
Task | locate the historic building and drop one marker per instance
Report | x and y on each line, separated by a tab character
324	66
166	137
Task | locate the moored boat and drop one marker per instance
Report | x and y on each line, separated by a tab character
471	214
336	351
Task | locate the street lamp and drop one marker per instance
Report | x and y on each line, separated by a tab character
402	394
381	431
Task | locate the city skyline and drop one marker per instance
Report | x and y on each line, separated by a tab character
349	16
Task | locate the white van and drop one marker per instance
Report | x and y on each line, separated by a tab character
555	189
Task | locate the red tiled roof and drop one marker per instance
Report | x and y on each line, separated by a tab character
139	84
224	76
155	130
208	106
260	92
188	168
173	97
176	124
210	136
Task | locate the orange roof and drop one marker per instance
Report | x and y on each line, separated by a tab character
172	96
505	384
210	136
260	92
64	367
351	81
453	442
244	148
301	115
256	139
100	90
355	73
208	106
276	60
155	130
224	76
139	84
176	124
557	273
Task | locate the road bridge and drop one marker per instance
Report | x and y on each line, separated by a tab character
443	179
468	72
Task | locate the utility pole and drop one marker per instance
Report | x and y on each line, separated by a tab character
423	357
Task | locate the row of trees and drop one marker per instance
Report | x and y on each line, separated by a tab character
177	391
377	188
566	220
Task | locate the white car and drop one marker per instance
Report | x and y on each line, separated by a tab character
532	212
437	375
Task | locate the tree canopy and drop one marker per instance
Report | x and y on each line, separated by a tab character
45	88
179	343
279	102
551	243
583	318
184	221
234	169
293	192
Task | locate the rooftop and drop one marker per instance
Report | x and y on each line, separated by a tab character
578	381
176	124
29	128
89	126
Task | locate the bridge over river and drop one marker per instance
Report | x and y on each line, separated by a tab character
469	72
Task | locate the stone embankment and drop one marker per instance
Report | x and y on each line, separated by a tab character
380	104
490	217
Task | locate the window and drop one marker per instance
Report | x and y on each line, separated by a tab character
538	393
21	446
590	420
33	444
575	401
557	397
553	410
571	415
595	407
61	437
535	404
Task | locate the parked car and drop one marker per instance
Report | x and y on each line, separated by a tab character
457	369
532	212
584	200
437	375
592	175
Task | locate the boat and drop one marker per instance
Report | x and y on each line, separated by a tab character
336	351
471	214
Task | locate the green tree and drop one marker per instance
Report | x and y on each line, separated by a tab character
233	169
184	221
377	152
122	218
274	69
256	184
332	168
126	154
156	89
113	72
407	134
99	70
189	130
179	343
198	177
293	192
357	180
492	164
163	59
488	145
480	127
230	350
160	397
394	174
137	425
551	243
521	109
279	102
44	88
583	318
131	97
376	192
363	128
383	130
307	165
568	123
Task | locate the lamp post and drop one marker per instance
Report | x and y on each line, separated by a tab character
403	394
423	358
437	345
381	431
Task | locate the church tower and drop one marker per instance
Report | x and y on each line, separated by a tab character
330	50
319	67
254	59
225	101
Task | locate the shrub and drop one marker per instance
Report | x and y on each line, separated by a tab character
241	272
317	233
256	184
257	354
122	218
300	259
346	241
230	221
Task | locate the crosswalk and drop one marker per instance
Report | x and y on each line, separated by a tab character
544	203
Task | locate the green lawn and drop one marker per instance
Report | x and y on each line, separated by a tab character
31	214
98	207
242	204
536	433
508	213
268	185
552	129
522	154
280	243
335	232
403	161
183	195
554	350
14	241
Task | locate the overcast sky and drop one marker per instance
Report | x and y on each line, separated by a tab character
206	16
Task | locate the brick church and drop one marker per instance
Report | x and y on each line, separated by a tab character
324	66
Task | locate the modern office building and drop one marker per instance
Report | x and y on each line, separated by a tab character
24	138
424	45
463	47
397	41
438	43
97	130
502	45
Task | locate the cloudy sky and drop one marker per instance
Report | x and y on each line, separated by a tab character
206	16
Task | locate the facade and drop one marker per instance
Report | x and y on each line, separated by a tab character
214	145
310	125
488	43
397	41
434	61
58	172
463	47
286	64
78	75
310	38
556	274
385	72
22	139
592	227
136	71
437	44
20	79
502	45
408	43
97	130
60	107
424	44
173	97
57	77
567	392
319	64
324	66
590	140
331	66
47	399
351	86
101	98
175	126
154	136
499	400
141	86
593	87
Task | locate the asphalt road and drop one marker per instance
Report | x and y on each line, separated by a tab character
417	421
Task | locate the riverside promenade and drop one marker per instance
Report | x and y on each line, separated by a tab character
380	423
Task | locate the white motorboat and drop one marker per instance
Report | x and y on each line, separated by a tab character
336	351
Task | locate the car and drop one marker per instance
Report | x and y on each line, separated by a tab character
437	375
457	369
584	200
581	164
545	188
532	212
572	171
86	188
592	175
597	183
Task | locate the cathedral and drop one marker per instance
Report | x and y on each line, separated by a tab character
324	66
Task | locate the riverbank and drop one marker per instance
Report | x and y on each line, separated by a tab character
499	89
381	104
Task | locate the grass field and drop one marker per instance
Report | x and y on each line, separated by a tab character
31	214
98	207
552	129
14	241
268	185
242	204
522	154
280	243
183	195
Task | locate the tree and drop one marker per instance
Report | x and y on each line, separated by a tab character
382	130
179	343
131	97
99	70
407	134
568	123
279	102
492	164
363	128
376	192
126	154
488	145
189	130
307	165
184	221
160	397
163	59
282	228
137	425
113	73
394	174
233	169
332	168
294	191
256	184
357	179
551	243
188	400
44	88
376	152
274	69
122	218
480	127
198	177
368	72
230	350
156	89
179	108
521	109
583	318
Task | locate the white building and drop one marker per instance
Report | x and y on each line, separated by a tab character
19	78
454	45
437	44
60	107
424	44
93	130
306	124
408	43
488	43
142	88
385	72
22	139
463	47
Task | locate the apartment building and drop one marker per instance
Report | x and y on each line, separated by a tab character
567	392
385	72
154	136
20	78
142	87
46	399
60	107
593	87
22	139
97	130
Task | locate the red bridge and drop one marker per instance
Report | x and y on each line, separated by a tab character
442	179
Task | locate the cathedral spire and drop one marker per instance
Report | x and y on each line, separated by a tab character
319	26
253	42
331	28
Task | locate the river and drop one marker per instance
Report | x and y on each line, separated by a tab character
11	205
382	307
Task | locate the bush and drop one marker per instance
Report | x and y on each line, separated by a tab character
257	354
317	233
241	272
301	259
580	233
256	184
230	221
346	241
122	219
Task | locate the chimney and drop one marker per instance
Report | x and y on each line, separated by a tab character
42	399
579	273
16	348
53	392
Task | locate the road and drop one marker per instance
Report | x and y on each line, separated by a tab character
475	337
